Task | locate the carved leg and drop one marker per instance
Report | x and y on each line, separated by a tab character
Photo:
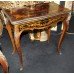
3	63
65	25
39	35
48	33
8	27
18	46
1	28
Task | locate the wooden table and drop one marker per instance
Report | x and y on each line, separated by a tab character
37	18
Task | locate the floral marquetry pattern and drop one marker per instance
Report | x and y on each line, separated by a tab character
41	24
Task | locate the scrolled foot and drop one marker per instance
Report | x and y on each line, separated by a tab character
21	68
59	53
12	53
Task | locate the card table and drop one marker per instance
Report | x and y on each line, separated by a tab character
38	17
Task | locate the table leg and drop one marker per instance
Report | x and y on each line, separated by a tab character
3	63
1	28
65	25
48	33
18	45
8	27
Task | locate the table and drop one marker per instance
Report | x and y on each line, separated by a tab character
37	18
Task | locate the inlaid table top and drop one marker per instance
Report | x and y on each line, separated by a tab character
37	12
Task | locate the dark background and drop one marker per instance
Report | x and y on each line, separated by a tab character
71	22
